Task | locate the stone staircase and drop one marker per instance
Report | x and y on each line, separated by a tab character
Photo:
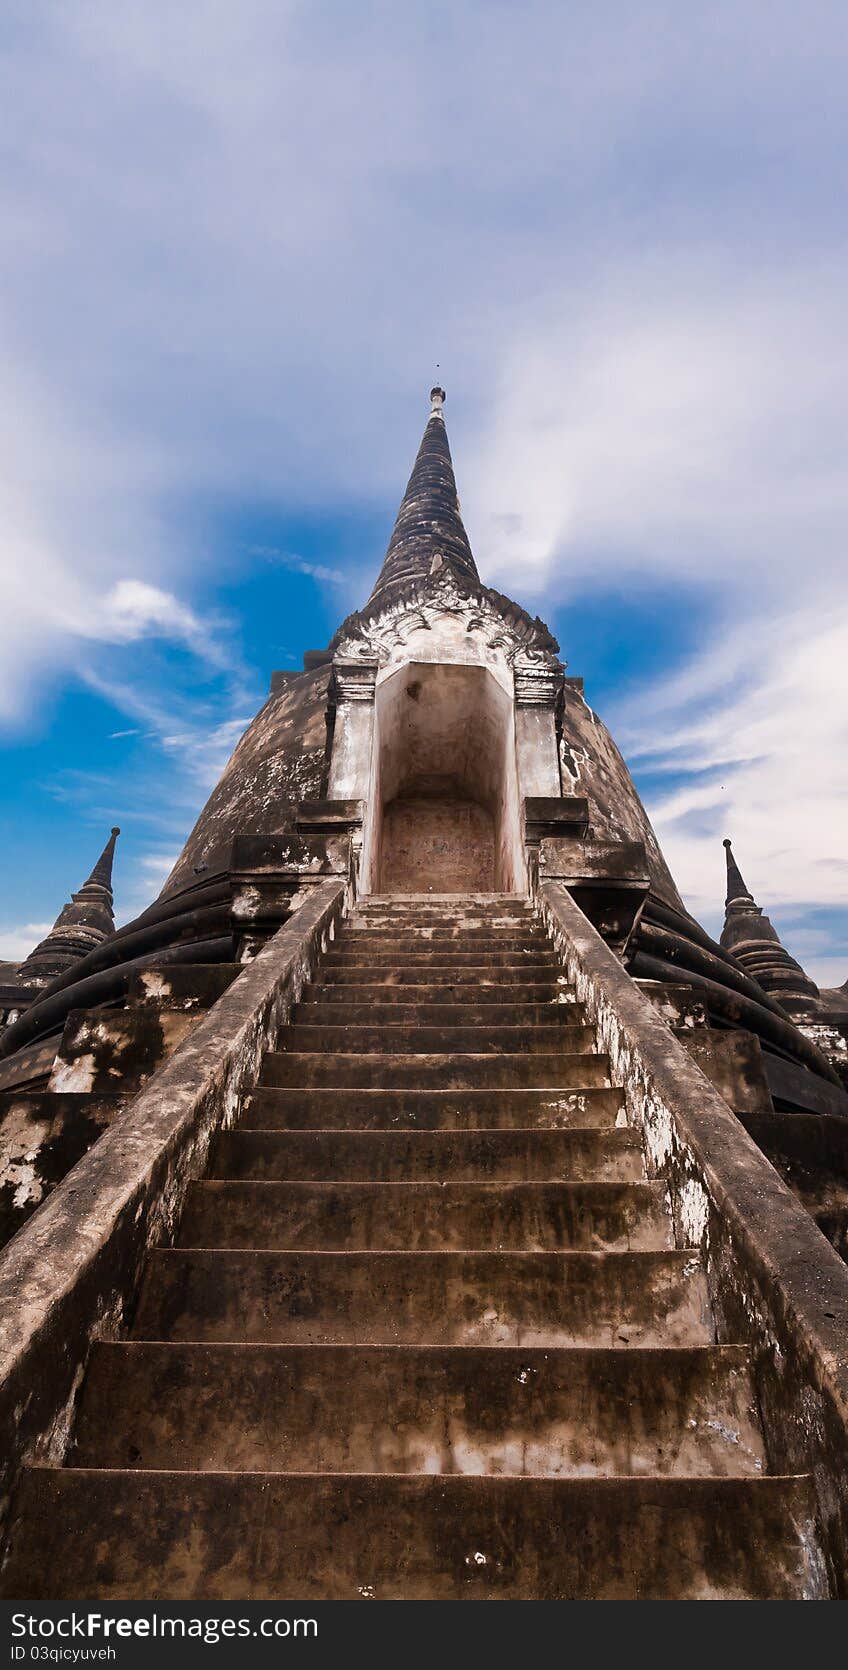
425	1332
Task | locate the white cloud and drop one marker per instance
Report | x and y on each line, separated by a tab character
828	972
132	609
673	429
157	864
674	423
17	942
761	722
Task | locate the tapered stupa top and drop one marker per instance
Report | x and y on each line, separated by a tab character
756	944
102	872
428	535
736	889
85	922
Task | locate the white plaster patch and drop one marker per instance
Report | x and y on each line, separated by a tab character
658	1126
247	903
78	1075
232	1097
58	1436
694	1207
29	1187
817	1585
20	1140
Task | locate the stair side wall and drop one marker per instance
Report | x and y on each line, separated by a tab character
775	1282
72	1272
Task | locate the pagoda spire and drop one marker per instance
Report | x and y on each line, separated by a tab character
755	943
85	922
428	535
736	889
101	875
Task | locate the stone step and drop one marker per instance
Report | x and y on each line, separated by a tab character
220	1536
420	938
483	978
425	1217
314	1013
431	897
396	1039
586	1104
421	1156
403	1409
409	946
543	994
492	921
446	904
345	955
466	1071
445	921
419	1298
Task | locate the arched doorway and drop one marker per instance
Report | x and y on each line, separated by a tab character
443	809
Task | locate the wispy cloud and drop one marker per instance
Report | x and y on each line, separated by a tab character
140	882
133	610
648	426
298	565
17	942
756	735
205	749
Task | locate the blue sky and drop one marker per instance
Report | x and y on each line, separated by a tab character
236	244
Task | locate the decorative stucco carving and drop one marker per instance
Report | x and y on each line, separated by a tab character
354	678
538	679
439	602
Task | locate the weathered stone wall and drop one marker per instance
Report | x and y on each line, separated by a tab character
41	1138
437	843
593	766
280	760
